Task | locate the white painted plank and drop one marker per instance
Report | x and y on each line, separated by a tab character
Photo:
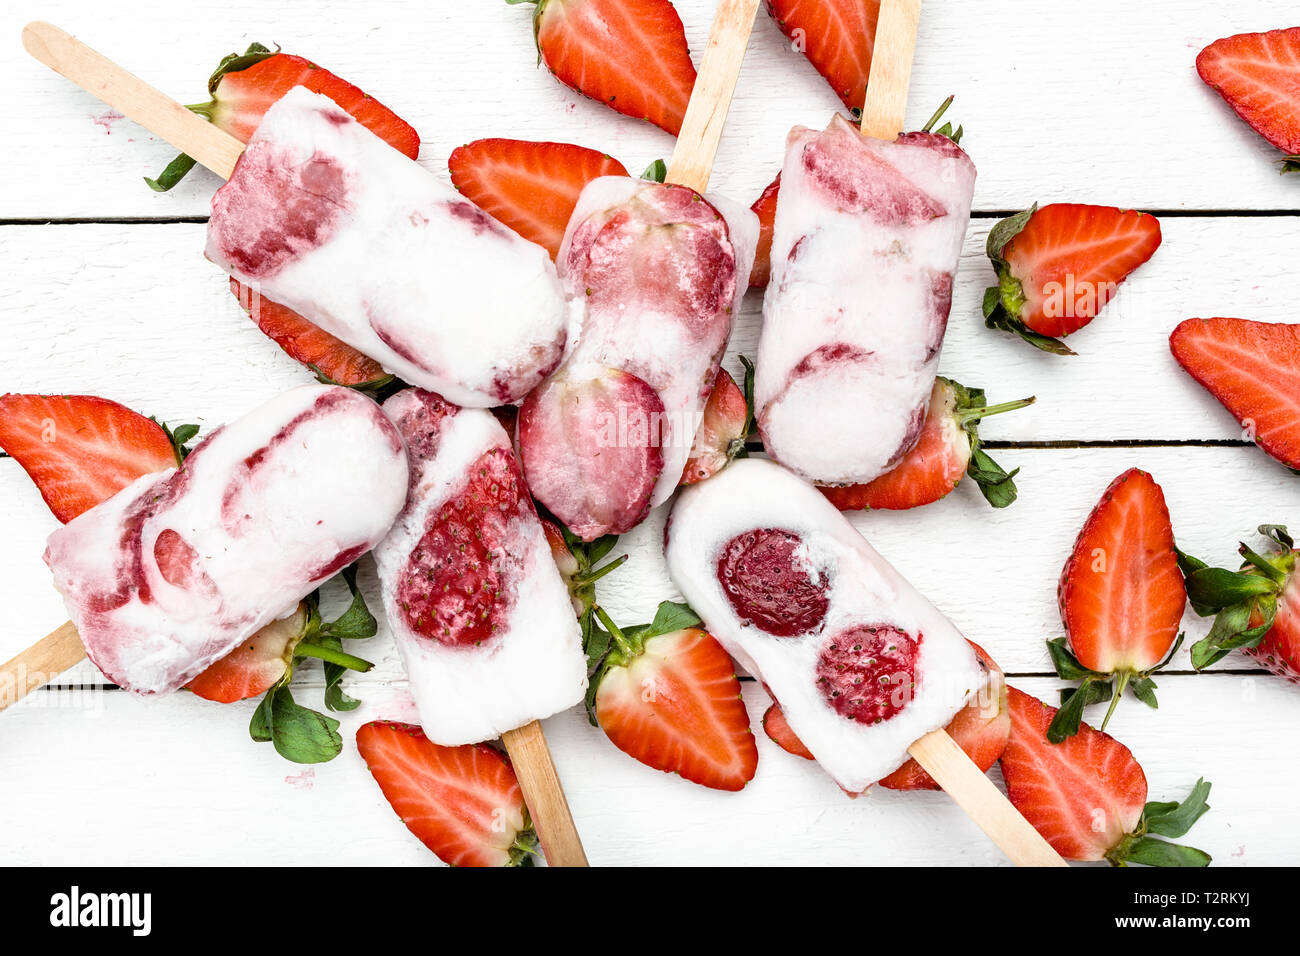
1095	102
178	782
135	312
993	572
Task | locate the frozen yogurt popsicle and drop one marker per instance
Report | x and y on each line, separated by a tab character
326	218
860	662
864	252
482	618
662	270
179	567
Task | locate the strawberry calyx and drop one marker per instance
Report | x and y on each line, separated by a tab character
609	646
1164	819
179	167
946	129
537	23
1244	602
1096	687
1290	164
1004	302
995	483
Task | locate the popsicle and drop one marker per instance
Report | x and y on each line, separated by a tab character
662	269
866	670
175	570
867	236
324	217
483	621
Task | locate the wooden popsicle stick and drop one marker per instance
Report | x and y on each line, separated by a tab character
40	663
891	69
544	796
218	151
132	97
706	114
984	803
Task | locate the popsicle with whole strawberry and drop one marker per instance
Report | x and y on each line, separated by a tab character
864	252
175	570
860	662
325	218
483	620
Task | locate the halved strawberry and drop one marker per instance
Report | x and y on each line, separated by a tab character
1253	369
80	449
1121	597
245	85
837	36
463	803
254	667
722	432
667	694
981	729
630	55
780	732
949	447
765	208
1058	266
1258	74
1087	796
530	187
332	360
1256	609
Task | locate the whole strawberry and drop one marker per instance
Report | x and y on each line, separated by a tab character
1087	796
1121	597
1256	609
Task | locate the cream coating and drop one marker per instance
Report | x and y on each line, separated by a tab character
854	315
388	258
263	511
862	589
533	667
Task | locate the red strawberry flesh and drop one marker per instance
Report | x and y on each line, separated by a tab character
868	673
769	585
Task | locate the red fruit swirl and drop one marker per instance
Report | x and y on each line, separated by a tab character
768	586
868	673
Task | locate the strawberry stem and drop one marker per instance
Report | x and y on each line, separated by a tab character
624	647
1123	677
984	411
332	656
591	577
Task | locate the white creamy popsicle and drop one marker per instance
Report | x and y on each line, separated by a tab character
483	620
326	218
860	662
662	270
864	252
175	570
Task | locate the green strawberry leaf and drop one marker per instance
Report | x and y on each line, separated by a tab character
1220	588
997	485
656	172
1066	664
1066	722
172	174
1149	851
1144	689
1175	819
356	623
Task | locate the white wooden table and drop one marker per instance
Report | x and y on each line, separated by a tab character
104	290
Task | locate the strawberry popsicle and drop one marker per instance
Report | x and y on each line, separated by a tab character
482	618
860	662
864	252
176	569
662	271
323	216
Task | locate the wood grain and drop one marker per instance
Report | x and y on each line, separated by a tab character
885	109
984	803
136	99
706	115
40	663
544	795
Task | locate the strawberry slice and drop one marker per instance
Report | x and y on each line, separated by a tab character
244	85
463	803
667	694
1121	596
837	36
981	729
530	187
722	432
254	667
333	361
949	448
1087	796
765	208
80	449
780	732
1253	369
630	55
1258	74
1058	266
